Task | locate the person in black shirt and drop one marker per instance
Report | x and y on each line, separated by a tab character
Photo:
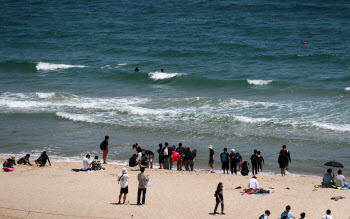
170	150
10	162
236	161
137	69
161	156
245	168
181	152
254	161
282	160
24	160
287	154
132	161
260	161
42	159
211	158
150	155
188	159
219	195
104	148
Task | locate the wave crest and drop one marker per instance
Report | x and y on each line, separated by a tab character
162	76
45	66
259	82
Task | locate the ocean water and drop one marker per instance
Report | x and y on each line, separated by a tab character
238	74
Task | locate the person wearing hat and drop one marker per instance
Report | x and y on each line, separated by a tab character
236	161
10	162
211	158
123	180
253	183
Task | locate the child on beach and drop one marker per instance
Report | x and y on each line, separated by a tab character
10	162
42	159
124	188
24	160
219	198
96	165
245	168
260	161
302	216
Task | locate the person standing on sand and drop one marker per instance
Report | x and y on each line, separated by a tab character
261	161
287	154
254	162
124	188
104	148
181	151
225	160
161	156
143	180
170	151
211	158
219	198
328	215
166	155
282	162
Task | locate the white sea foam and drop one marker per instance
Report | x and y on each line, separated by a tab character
122	64
334	127
347	89
252	120
45	95
45	66
76	117
259	82
161	75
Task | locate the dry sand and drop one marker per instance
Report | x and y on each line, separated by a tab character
173	194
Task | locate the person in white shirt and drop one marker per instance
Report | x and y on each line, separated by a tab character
253	183
339	179
87	163
124	189
328	215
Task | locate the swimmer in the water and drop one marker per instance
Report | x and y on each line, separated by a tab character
137	69
161	70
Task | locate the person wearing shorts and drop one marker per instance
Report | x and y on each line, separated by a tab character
124	188
211	158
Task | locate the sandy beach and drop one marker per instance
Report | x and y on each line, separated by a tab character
58	192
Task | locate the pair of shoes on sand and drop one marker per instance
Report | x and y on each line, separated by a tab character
218	213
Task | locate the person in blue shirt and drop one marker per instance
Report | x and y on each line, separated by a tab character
181	152
225	160
287	213
327	179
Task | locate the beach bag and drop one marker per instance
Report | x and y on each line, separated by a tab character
285	213
224	157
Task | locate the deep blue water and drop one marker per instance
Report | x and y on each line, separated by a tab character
237	74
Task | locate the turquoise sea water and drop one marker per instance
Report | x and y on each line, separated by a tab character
67	79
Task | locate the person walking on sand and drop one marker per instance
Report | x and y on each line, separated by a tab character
219	198
287	154
225	160
254	162
124	189
282	162
42	159
328	215
211	158
143	180
104	148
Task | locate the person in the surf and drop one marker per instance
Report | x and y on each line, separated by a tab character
161	70
137	69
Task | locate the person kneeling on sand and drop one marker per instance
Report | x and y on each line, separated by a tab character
124	188
253	183
96	165
10	162
245	168
219	198
132	161
42	159
24	160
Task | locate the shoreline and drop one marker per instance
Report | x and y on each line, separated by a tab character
173	194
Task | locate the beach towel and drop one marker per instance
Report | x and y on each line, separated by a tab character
80	170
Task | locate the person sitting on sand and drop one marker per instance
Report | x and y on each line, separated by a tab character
328	179
10	162
24	160
266	215
87	163
282	159
302	215
287	213
132	161
340	180
219	198
328	215
124	188
253	183
43	159
96	165
245	168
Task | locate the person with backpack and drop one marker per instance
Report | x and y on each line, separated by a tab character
265	216
282	162
254	162
287	154
260	161
328	215
124	188
219	195
104	148
287	213
225	160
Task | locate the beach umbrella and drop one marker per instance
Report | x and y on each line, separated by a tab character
334	164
